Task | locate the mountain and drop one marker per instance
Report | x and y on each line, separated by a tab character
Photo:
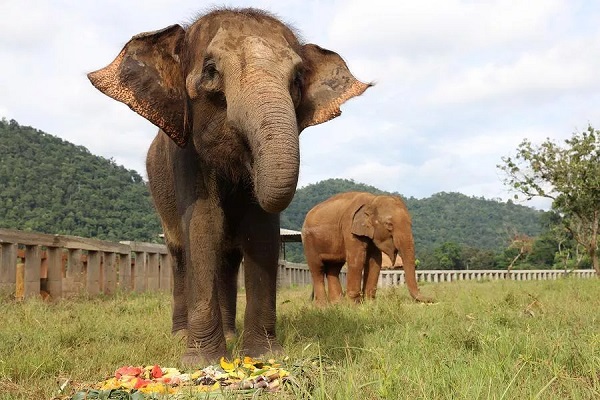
443	217
49	185
53	186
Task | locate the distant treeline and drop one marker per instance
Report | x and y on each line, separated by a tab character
49	185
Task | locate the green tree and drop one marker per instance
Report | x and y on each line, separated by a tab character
449	256
568	175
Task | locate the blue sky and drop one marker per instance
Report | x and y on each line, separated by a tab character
459	83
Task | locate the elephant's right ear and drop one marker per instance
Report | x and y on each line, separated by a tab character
361	222
327	84
147	76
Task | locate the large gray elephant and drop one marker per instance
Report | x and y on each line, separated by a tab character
230	93
356	228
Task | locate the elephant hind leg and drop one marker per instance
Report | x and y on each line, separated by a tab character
317	272
334	287
227	278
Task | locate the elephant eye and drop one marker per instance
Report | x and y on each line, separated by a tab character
209	69
296	88
210	80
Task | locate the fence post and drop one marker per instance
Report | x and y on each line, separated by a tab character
92	278
8	267
165	274
125	278
33	263
55	271
152	282
109	273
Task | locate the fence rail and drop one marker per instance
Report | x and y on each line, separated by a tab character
299	274
62	265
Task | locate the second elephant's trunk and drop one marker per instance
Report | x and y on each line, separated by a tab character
405	244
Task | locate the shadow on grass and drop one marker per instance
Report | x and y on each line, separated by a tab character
334	331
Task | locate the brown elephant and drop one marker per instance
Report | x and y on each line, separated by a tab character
230	93
356	228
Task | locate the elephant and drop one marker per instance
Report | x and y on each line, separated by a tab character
357	228
230	94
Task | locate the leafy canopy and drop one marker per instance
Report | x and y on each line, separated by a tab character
569	175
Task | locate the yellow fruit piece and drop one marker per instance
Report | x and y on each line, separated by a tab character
229	366
110	384
156	388
215	386
170	372
196	375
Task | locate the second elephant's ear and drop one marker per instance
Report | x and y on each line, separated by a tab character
328	83
147	76
361	222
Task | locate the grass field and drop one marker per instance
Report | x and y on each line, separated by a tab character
487	340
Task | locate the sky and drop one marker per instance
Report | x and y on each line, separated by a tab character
459	83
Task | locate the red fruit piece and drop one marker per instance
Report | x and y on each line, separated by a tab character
131	371
156	372
140	383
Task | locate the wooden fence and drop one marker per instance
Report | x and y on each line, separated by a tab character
299	274
60	266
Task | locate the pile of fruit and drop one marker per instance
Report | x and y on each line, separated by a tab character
247	375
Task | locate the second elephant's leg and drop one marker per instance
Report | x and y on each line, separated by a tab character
228	277
260	238
334	287
371	274
356	258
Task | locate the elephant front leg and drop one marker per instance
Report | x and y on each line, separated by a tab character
356	258
180	306
206	341
261	253
371	274
334	286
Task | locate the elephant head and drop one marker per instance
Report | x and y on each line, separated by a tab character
386	222
235	80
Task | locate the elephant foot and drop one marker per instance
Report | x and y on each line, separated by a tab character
193	358
179	324
230	336
355	297
265	347
181	335
424	299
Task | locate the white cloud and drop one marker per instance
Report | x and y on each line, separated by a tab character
459	83
421	27
568	66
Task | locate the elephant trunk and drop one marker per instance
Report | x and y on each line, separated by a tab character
267	116
405	244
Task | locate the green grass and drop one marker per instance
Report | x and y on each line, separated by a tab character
489	340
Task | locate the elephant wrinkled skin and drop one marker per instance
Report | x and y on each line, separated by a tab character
356	228
230	93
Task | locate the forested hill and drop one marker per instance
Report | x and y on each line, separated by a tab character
52	186
443	217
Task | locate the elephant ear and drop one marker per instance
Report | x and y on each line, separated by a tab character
147	76
327	84
361	222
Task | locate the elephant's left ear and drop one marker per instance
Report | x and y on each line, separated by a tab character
327	84
146	75
361	222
